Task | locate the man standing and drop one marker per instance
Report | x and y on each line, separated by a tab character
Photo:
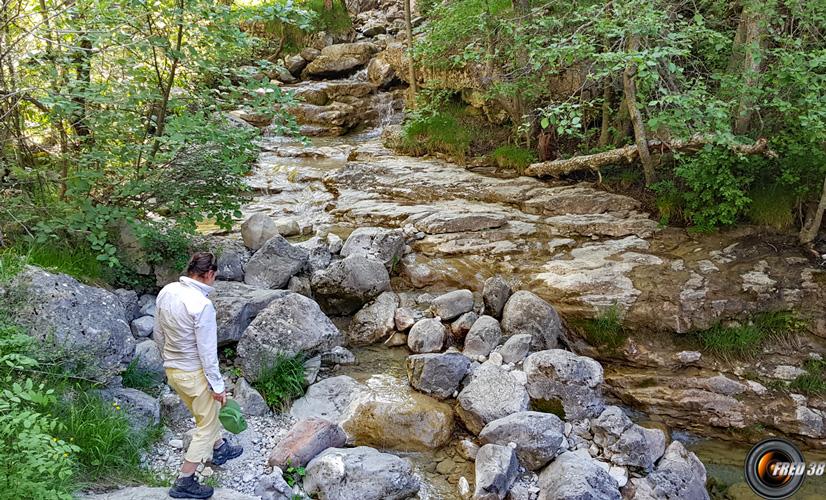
186	333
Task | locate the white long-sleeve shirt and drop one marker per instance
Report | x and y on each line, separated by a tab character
186	331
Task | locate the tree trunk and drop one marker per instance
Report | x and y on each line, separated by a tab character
812	225
630	88
408	24
605	128
167	87
750	31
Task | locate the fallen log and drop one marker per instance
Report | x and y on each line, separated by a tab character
630	154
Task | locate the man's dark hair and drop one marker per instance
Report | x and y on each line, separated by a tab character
201	263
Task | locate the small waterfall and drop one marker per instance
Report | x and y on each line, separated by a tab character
385	104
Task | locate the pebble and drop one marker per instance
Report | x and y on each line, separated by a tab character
520	377
207	472
247	477
464	487
495	358
176	443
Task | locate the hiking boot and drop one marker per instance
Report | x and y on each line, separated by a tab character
189	487
225	452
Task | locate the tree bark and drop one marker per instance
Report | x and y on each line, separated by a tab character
631	154
408	25
751	30
605	128
167	88
630	88
810	228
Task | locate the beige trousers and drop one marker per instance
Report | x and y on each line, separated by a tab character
195	392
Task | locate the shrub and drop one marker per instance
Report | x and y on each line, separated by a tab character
439	132
515	157
281	380
669	201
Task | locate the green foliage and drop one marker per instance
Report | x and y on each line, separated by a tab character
515	157
437	132
293	474
109	449
606	329
669	202
554	66
56	435
36	463
813	382
126	105
281	380
772	206
335	21
75	260
137	378
748	339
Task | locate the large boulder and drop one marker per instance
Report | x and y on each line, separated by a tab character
453	304
86	325
251	401
275	263
483	336
491	394
380	72
140	409
360	473
257	230
148	360
516	348
295	64
577	476
427	335
679	474
526	313
232	257
327	399
385	245
626	443
574	381
236	305
383	416
318	252
496	471
340	59
143	326
305	440
346	285
290	325
495	294
438	375
538	436
375	321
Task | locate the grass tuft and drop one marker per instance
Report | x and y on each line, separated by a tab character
136	377
281	380
748	340
75	260
772	206
439	132
606	330
813	382
515	157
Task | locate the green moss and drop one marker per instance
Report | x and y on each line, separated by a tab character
438	132
515	157
549	406
747	340
772	206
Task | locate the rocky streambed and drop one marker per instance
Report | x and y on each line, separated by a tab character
435	305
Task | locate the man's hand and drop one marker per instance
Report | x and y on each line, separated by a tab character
220	397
